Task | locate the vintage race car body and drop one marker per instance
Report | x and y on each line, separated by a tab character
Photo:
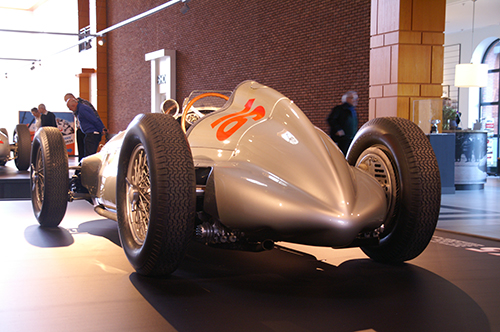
251	173
4	147
271	170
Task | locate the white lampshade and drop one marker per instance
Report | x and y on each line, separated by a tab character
469	75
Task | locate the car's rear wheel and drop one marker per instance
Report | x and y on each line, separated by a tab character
49	177
155	194
397	153
22	138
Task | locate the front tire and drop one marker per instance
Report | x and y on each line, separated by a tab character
399	155
155	194
22	138
49	177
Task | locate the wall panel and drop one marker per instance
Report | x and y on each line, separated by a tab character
311	51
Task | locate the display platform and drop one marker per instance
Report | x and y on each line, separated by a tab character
77	278
15	184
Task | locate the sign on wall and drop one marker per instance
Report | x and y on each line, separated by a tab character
65	124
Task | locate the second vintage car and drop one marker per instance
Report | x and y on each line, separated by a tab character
19	150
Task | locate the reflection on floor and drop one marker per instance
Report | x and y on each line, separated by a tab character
473	211
77	278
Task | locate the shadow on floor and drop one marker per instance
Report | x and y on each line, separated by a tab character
46	237
278	290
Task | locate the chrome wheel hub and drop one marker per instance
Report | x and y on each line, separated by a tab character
138	194
375	162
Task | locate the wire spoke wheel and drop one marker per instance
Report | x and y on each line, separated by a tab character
155	195
49	178
138	194
38	176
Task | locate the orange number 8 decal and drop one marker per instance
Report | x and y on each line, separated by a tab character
232	122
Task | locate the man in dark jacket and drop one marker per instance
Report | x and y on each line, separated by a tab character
90	124
343	121
80	136
48	118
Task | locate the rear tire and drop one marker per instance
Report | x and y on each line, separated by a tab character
155	194
399	155
49	177
22	138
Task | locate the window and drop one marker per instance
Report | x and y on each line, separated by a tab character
489	100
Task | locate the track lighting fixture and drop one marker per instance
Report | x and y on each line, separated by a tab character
184	9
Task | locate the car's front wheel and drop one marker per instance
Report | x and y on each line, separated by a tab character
400	157
49	177
155	194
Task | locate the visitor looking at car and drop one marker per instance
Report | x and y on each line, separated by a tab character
37	118
48	118
343	121
80	136
90	124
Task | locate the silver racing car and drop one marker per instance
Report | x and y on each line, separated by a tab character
253	172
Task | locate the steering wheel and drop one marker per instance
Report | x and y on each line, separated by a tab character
195	99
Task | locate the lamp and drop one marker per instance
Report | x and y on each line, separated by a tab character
469	75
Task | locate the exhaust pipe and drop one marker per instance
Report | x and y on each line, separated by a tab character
267	244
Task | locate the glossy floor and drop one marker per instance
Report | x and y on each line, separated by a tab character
77	278
474	212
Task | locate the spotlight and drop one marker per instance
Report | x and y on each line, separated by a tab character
185	7
32	65
101	41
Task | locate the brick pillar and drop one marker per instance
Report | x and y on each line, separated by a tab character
102	64
84	78
406	56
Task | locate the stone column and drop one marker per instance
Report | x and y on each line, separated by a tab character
406	56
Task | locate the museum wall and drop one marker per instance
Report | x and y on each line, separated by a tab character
311	51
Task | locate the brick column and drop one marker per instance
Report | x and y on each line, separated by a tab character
102	64
406	56
101	71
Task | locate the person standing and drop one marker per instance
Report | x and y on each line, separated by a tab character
80	136
48	118
90	124
37	118
343	121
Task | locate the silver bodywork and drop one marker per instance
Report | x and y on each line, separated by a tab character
270	169
4	147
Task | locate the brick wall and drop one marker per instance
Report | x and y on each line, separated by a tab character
311	51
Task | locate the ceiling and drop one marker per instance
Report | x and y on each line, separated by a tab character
459	14
21	4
